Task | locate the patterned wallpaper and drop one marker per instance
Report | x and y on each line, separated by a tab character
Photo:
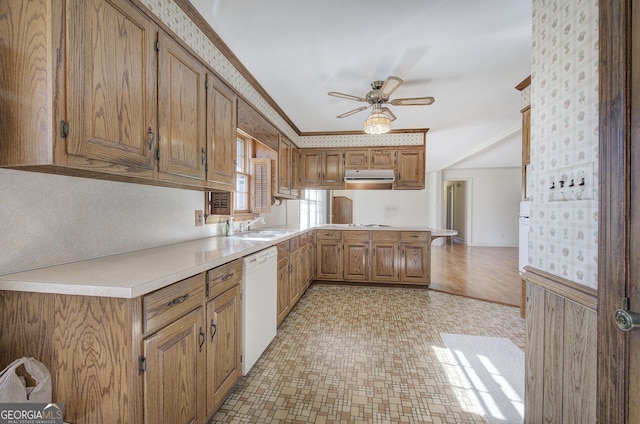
563	238
175	18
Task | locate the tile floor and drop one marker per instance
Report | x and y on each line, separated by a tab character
349	354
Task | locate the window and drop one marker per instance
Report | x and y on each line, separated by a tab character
313	207
243	155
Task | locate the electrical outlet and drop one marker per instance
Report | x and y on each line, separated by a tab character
199	218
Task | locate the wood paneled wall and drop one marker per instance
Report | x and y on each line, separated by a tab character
560	374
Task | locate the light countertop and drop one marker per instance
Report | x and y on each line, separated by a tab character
133	274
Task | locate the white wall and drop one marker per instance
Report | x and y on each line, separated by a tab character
50	219
492	204
390	207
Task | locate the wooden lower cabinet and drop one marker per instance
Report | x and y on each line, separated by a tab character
170	356
283	289
224	350
174	390
382	256
294	273
355	255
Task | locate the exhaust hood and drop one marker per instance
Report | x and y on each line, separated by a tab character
369	179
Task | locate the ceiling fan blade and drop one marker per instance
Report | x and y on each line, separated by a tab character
351	112
389	86
346	96
413	101
389	114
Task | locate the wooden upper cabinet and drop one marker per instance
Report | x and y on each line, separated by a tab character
295	173
181	107
333	169
382	159
221	135
356	159
410	171
310	168
284	166
111	87
254	124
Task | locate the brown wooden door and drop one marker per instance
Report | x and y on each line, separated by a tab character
618	399
329	260
224	321
221	133
111	79
333	169
295	172
410	170
341	210
175	368
182	106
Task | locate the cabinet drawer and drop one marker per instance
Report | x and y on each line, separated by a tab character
329	234
227	272
283	249
385	236
421	236
294	243
166	305
356	235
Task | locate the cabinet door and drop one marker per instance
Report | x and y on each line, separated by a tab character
295	173
284	166
283	289
333	169
384	261
224	319
383	158
410	171
221	134
111	86
356	261
181	106
310	168
415	263
296	277
356	159
329	260
174	390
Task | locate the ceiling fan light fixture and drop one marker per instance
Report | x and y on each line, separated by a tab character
377	123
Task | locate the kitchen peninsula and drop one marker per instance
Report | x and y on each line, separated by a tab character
123	334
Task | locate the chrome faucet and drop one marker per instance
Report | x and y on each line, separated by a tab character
254	221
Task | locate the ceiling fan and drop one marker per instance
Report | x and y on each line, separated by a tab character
380	119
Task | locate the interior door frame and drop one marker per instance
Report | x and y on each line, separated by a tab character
613	357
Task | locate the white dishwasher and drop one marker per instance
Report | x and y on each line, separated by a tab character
259	304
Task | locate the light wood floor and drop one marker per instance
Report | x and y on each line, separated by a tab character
487	273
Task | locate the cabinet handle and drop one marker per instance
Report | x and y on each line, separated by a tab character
226	277
214	328
203	337
152	139
204	157
414	236
178	300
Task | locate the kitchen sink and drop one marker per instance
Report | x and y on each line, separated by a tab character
260	234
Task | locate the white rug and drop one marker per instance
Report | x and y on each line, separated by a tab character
490	372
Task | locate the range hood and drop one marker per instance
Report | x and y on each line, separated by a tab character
369	179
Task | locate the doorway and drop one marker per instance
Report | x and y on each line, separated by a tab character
456	209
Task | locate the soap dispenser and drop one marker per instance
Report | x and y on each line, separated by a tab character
230	228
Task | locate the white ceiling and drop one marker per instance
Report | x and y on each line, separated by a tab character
468	54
